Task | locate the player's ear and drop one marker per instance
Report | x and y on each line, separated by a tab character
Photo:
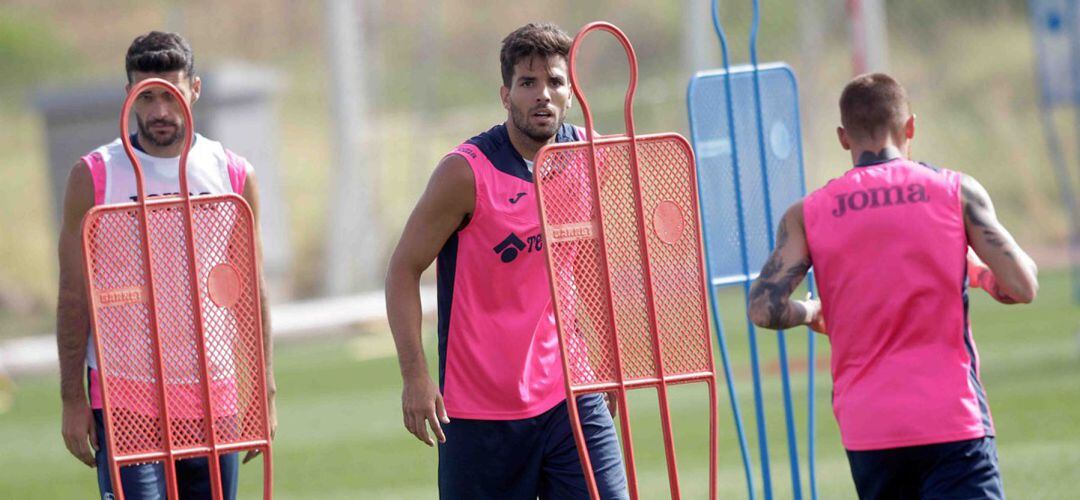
504	95
196	89
909	127
844	141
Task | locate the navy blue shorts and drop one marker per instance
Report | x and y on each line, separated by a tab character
530	458
956	470
147	481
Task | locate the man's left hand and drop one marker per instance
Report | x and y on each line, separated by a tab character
271	415
612	403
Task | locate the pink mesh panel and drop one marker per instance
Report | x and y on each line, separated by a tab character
600	308
227	276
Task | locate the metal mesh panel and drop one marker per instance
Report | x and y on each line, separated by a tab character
227	278
580	283
783	157
670	209
596	304
118	293
224	239
625	261
750	170
176	325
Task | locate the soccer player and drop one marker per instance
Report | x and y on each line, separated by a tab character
103	176
887	241
499	412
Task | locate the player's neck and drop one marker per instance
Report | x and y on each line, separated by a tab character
526	146
170	151
865	155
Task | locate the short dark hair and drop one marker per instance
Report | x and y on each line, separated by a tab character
533	39
158	52
873	104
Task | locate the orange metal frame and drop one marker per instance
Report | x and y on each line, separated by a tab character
676	155
254	434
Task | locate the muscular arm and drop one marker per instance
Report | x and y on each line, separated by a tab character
1010	275
251	195
72	316
443	207
770	297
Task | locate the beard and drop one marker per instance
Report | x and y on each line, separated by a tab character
520	119
144	132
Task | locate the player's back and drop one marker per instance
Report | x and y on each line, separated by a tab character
888	246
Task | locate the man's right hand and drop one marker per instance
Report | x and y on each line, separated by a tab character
421	407
444	208
73	318
79	432
815	315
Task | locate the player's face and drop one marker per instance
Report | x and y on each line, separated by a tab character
538	96
160	119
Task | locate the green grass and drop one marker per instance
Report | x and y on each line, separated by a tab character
340	433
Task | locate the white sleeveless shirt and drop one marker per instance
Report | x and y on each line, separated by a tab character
211	169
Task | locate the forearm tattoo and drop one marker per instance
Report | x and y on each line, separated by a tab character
772	289
975	211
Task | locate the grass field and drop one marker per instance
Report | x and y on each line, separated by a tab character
340	433
971	82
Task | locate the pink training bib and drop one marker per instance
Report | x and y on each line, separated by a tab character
498	346
888	247
212	169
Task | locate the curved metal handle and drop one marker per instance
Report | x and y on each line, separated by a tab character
720	34
753	37
189	133
631	58
755	23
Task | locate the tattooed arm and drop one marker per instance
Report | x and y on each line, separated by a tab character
1009	275
980	276
770	297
